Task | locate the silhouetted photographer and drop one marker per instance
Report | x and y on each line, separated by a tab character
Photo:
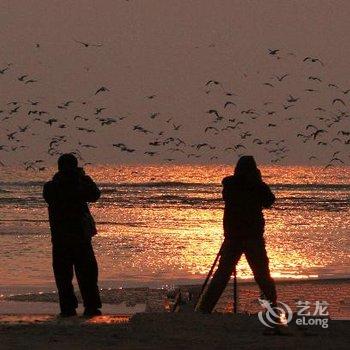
72	228
245	196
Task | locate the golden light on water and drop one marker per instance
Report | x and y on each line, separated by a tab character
163	223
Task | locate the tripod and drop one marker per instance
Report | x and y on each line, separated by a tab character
235	294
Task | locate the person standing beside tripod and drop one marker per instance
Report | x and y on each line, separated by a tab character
245	196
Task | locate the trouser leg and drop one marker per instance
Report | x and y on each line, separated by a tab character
258	261
230	254
62	264
86	271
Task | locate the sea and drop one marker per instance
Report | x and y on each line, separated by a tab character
161	225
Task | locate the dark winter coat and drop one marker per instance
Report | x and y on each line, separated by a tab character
67	195
245	198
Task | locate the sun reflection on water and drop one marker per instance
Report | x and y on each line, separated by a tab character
160	223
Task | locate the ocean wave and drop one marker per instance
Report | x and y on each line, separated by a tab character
339	187
110	186
22	183
25	201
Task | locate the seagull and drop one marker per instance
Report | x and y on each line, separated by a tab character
257	141
229	103
87	44
292	99
236	147
22	77
150	153
78	116
344	133
99	110
3	70
333	85
107	121
23	129
153	115
338	100
317	132
312	59
314	78
281	77
51	121
177	127
211	128
336	159
311	90
86	145
273	51
12	111
210	82
85	129
214	111
101	89
33	103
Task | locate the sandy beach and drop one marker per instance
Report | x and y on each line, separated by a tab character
136	318
164	331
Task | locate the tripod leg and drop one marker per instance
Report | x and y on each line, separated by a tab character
207	279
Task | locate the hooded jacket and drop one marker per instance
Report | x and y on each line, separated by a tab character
245	197
67	195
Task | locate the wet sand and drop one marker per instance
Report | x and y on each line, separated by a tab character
335	292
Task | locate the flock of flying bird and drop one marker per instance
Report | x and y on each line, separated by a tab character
230	122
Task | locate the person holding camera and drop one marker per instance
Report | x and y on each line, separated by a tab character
72	227
245	196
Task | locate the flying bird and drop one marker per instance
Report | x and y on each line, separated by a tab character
85	44
211	128
292	99
229	103
314	78
3	70
101	89
313	60
273	51
22	77
338	100
280	78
